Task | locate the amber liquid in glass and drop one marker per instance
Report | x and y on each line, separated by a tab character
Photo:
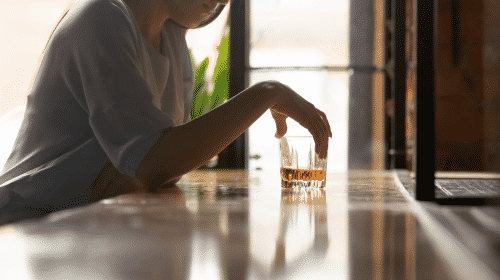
302	178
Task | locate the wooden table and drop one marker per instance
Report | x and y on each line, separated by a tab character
238	224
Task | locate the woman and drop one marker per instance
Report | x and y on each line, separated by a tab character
108	112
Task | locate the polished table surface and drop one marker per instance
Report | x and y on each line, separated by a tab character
243	225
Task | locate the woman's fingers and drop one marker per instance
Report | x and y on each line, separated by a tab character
321	144
305	113
319	127
325	120
281	126
320	135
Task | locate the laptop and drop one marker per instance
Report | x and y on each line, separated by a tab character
456	187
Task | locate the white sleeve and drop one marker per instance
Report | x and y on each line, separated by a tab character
103	70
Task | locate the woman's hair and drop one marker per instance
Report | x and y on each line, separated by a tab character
207	21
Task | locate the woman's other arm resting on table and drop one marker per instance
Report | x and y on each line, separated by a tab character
183	148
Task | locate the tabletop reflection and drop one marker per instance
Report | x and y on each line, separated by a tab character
228	225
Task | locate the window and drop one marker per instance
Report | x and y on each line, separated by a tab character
302	44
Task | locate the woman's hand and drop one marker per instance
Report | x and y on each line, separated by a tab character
185	147
290	104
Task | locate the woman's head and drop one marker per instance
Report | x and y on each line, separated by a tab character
194	13
213	16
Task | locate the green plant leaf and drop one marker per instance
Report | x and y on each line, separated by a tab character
200	95
221	75
200	72
204	101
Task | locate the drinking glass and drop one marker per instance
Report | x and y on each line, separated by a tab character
300	165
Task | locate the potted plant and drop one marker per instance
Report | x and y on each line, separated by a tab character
203	100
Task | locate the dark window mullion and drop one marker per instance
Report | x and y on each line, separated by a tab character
399	85
235	156
424	162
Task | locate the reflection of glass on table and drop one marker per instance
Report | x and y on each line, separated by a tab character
300	165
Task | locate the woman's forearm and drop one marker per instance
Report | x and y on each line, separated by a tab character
183	148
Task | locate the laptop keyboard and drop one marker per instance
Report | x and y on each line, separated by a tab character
467	187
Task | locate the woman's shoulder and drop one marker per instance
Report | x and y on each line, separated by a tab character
98	14
94	21
100	5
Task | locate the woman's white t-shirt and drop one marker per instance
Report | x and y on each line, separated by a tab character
102	92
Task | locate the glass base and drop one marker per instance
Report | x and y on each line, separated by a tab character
303	184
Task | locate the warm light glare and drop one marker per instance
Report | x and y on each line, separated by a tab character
13	263
328	92
205	257
302	5
27	25
203	43
301	35
283	57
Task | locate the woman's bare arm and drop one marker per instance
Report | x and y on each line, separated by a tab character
183	148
